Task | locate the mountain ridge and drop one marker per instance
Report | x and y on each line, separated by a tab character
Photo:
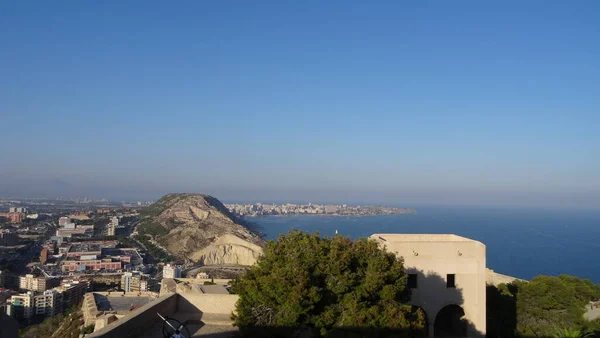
198	228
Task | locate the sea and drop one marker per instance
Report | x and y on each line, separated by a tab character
519	242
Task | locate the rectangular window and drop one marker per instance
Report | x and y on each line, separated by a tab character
412	280
450	280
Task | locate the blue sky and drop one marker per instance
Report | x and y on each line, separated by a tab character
393	102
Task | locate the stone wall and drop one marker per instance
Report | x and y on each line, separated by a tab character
136	323
207	303
495	279
91	312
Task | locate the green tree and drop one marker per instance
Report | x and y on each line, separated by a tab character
546	304
330	286
566	333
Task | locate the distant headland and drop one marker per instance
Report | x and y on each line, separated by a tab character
288	209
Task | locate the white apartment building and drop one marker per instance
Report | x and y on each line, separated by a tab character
50	303
18	209
21	306
31	283
110	229
171	271
129	282
447	275
26	305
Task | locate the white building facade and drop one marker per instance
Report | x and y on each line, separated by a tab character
447	275
171	271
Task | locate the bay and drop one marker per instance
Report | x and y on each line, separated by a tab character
519	242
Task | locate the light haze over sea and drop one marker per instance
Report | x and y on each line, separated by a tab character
520	242
471	102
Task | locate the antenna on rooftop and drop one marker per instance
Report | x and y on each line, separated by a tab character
169	330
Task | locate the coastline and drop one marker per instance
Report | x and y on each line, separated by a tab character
329	215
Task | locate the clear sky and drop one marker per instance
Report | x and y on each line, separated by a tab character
396	102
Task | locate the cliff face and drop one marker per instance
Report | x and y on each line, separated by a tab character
201	229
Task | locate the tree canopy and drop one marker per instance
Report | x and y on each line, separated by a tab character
543	307
326	285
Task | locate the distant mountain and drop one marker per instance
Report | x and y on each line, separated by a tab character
199	228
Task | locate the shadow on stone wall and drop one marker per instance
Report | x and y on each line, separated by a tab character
443	306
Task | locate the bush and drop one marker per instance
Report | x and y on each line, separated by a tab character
88	329
322	285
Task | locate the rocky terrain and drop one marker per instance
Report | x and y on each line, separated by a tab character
199	229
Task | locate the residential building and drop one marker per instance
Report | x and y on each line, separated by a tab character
21	306
63	220
13	217
18	209
72	291
49	303
171	271
110	229
26	305
149	285
130	282
137	282
5	295
32	283
447	275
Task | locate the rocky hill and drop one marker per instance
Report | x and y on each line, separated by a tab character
199	228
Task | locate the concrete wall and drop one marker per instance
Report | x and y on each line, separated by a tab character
432	257
494	278
211	308
90	310
137	322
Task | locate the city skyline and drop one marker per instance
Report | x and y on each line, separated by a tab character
394	104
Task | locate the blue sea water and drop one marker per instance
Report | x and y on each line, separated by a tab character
520	242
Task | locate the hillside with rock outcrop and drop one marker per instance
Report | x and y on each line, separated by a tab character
200	229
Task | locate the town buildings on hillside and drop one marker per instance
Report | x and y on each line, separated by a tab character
260	209
138	282
48	302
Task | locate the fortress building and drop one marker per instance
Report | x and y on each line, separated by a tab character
447	275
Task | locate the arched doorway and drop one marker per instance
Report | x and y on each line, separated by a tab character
449	322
